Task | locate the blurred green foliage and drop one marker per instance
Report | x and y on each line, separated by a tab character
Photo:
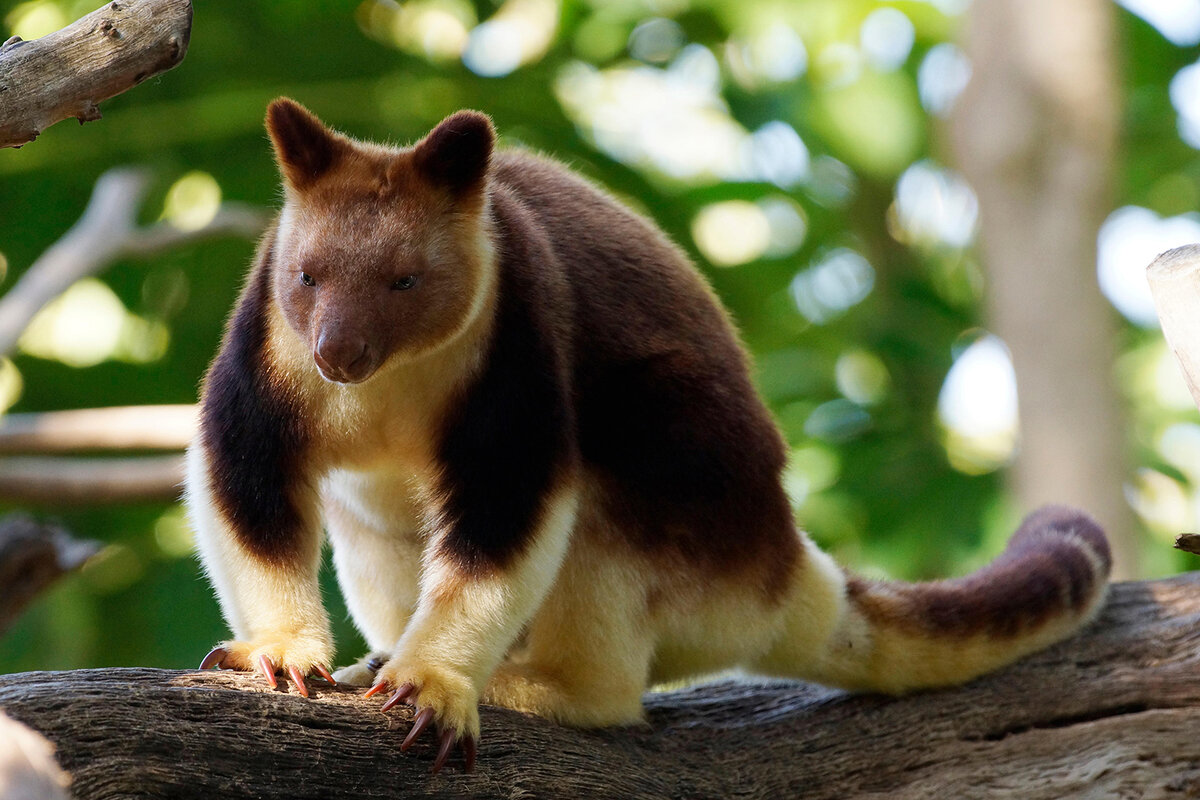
855	383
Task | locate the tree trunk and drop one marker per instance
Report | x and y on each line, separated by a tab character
1111	713
1035	133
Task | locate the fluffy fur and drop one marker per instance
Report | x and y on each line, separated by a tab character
529	431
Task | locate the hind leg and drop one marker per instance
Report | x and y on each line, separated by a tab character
587	652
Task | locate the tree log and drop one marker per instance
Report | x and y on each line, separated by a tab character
1111	713
67	73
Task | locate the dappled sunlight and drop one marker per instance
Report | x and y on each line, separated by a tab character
1150	377
774	53
115	568
519	33
1184	90
192	201
787	225
1170	389
656	40
810	469
674	121
1128	241
435	29
35	19
941	78
862	377
1161	502
173	534
12	385
934	206
88	324
732	232
977	408
1177	20
739	231
1179	445
828	288
886	38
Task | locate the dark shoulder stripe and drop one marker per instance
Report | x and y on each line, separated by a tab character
505	445
251	431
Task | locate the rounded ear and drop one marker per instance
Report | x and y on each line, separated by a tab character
457	152
304	148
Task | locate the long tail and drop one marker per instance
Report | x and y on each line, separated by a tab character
895	637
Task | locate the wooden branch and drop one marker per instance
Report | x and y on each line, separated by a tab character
1112	713
165	427
68	73
106	232
1188	543
33	556
1174	279
87	481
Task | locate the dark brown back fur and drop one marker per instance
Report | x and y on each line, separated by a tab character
666	413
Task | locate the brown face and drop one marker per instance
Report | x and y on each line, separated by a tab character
379	253
360	283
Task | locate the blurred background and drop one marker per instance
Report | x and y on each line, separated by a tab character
929	218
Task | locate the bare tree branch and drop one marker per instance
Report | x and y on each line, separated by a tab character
1188	542
106	232
67	73
1110	713
33	556
166	427
61	481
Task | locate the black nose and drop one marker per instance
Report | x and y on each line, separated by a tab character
342	358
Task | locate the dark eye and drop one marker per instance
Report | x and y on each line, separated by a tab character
307	280
407	282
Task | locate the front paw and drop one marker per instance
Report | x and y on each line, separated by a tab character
439	696
296	656
364	671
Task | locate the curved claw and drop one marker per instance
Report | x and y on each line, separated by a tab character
470	747
323	671
376	689
215	658
401	694
298	679
423	718
268	669
448	739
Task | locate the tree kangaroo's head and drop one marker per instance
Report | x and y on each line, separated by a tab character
379	251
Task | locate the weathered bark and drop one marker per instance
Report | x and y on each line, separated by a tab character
33	556
1112	713
67	73
1035	133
